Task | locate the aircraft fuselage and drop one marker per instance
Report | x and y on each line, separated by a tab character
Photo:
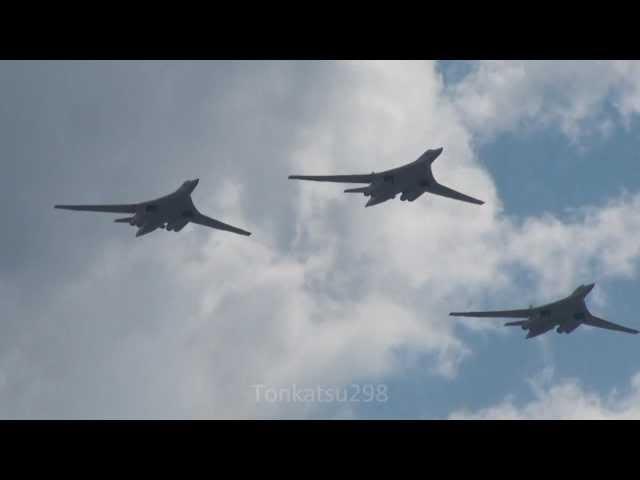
566	315
172	211
410	180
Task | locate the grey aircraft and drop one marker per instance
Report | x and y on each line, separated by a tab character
566	314
410	180
172	212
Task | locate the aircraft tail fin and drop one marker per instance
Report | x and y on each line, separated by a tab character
583	290
430	155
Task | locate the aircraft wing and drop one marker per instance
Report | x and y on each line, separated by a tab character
600	323
123	208
439	189
524	313
368	178
210	222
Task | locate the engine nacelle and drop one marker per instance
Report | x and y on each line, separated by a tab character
411	195
568	327
177	226
130	220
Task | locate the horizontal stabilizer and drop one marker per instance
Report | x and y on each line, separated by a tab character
357	190
516	323
124	220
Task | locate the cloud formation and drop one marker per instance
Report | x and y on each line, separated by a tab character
581	98
565	399
100	324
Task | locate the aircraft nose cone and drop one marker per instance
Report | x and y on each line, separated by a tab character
589	287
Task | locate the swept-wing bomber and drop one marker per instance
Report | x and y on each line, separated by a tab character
564	315
410	181
171	212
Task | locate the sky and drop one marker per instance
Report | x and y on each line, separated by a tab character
329	310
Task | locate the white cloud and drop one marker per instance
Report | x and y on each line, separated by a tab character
596	243
324	292
578	97
185	328
566	399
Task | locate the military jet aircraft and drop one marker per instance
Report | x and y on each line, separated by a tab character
410	180
566	314
172	212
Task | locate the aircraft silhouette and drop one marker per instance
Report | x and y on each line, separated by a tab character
410	180
172	212
566	314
